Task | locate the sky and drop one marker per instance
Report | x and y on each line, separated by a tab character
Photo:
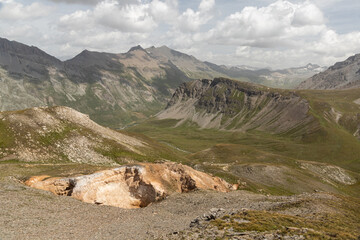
261	33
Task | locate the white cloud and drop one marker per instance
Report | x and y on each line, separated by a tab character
206	5
164	11
336	45
86	2
14	11
307	14
25	30
128	18
268	26
112	14
191	21
76	21
326	50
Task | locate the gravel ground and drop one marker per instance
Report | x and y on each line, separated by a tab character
27	213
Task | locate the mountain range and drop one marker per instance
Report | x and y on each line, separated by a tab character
114	89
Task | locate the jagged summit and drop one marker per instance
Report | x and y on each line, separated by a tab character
311	66
138	47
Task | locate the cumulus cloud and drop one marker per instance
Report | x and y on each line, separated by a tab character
14	11
86	2
191	21
307	14
112	14
128	18
268	26
329	48
166	11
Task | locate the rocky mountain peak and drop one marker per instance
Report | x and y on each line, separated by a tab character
311	66
348	61
136	48
341	75
22	60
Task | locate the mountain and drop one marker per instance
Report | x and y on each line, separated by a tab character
342	75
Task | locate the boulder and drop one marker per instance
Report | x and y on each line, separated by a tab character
131	186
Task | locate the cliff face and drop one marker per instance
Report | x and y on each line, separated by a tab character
342	75
232	105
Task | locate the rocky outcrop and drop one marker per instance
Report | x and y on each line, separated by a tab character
130	186
342	75
227	104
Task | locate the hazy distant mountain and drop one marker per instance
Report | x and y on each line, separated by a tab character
286	78
342	75
290	77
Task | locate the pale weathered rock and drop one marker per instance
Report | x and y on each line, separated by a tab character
131	186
